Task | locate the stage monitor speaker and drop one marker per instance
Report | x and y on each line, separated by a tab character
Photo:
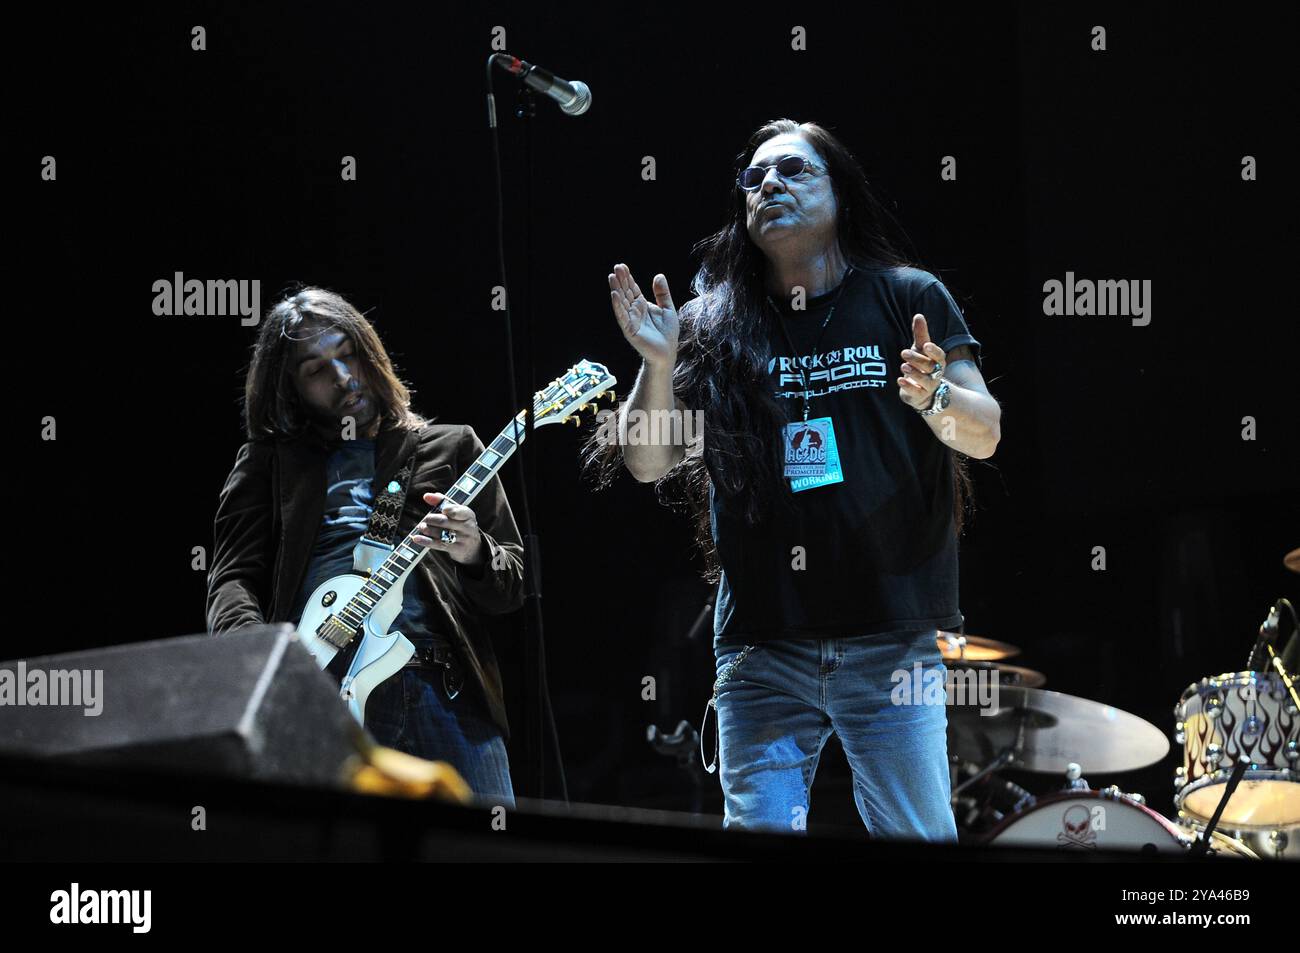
250	703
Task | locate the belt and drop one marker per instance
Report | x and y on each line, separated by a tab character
440	655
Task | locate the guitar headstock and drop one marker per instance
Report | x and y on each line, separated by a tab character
564	398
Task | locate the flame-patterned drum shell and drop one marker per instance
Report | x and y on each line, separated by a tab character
1231	716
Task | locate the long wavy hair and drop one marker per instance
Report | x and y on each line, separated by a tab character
723	352
272	407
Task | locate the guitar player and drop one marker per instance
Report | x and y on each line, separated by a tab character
329	427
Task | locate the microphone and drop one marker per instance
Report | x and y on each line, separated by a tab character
1285	658
1268	628
573	98
1289	654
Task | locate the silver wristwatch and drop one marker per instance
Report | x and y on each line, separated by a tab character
942	397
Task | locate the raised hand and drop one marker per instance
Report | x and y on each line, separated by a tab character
651	328
916	387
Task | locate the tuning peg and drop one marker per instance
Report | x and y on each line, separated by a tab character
577	421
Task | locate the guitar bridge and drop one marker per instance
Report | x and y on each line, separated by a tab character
335	632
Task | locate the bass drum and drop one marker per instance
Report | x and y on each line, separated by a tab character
1106	820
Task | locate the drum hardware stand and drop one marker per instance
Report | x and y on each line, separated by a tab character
685	740
1238	771
1266	629
1290	652
1005	758
974	808
1001	761
682	744
1287	678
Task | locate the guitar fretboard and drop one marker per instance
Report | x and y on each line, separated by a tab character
393	571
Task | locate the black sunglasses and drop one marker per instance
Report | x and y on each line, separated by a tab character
788	167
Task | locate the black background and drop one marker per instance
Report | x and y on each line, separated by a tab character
225	164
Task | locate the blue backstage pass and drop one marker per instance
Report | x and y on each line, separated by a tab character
811	457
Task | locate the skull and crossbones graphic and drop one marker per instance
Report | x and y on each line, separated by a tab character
1076	829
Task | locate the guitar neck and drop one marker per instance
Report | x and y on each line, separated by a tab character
562	399
489	462
395	568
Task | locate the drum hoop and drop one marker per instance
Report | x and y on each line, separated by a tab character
1194	827
1229	680
1255	773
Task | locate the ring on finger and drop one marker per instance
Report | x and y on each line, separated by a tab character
448	536
937	373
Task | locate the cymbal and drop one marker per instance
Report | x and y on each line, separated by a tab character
1058	729
1292	560
1008	675
975	649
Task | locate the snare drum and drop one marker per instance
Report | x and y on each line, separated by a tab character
1227	717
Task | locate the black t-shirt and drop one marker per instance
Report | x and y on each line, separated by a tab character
878	550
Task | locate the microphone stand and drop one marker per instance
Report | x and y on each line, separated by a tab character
537	701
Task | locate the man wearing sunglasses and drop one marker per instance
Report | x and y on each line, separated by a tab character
840	390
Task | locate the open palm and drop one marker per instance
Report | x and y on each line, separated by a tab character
649	327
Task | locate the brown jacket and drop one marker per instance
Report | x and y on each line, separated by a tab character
271	509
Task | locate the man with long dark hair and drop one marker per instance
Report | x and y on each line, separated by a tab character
828	488
330	426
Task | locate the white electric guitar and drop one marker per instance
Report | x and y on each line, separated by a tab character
345	624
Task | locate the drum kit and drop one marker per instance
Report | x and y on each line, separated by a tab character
1236	793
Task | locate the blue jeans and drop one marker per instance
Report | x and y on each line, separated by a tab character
783	700
411	712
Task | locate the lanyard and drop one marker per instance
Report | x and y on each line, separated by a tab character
780	322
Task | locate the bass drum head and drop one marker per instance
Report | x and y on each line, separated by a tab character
1089	820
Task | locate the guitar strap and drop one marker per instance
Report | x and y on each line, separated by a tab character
387	512
377	541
